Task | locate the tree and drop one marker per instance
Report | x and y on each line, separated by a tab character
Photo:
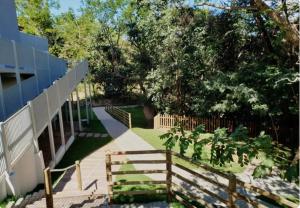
34	17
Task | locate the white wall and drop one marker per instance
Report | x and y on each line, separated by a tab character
26	173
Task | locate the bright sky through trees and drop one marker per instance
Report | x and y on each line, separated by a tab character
65	5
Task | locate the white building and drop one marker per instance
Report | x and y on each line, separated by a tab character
36	113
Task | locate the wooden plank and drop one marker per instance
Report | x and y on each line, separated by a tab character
199	187
78	175
231	190
139	152
48	188
169	174
255	203
206	167
191	195
119	183
183	202
201	176
138	162
137	172
267	194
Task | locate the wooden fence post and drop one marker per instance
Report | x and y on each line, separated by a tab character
78	173
48	188
129	120
169	174
231	190
109	177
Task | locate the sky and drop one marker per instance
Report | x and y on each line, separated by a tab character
65	5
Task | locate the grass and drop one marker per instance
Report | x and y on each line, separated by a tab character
136	198
121	199
95	125
137	114
152	136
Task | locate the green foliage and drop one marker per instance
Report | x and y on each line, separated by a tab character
224	147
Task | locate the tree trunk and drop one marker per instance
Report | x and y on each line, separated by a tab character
292	33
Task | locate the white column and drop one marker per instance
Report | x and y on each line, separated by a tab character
18	76
86	102
90	93
61	125
35	138
71	117
50	130
78	110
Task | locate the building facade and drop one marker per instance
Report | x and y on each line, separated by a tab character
37	125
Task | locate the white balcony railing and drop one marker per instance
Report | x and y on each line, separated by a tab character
19	131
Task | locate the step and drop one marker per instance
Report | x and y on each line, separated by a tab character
10	204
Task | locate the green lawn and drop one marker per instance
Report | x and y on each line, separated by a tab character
137	116
95	125
151	136
139	198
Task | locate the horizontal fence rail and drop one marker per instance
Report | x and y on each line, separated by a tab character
119	114
232	192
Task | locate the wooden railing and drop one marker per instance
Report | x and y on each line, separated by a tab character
229	186
119	114
48	181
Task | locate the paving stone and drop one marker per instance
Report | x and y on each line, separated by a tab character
82	134
89	135
10	204
97	135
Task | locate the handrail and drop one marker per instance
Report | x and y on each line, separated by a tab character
119	114
48	181
63	169
231	188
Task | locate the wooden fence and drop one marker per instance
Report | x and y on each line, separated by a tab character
119	114
231	190
190	123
